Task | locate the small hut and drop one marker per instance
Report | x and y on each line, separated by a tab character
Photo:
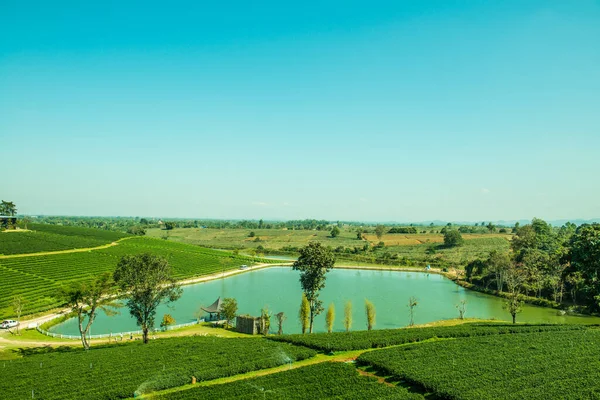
248	324
214	310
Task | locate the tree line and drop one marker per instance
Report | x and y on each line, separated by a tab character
560	265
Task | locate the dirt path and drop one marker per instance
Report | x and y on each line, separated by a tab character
219	275
49	253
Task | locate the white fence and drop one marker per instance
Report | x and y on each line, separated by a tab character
113	335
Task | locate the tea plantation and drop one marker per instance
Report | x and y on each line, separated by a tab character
543	365
125	370
39	278
362	340
42	238
328	380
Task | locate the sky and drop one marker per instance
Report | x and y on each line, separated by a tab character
342	110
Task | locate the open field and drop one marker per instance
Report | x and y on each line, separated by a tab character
41	238
39	278
119	371
544	365
408	249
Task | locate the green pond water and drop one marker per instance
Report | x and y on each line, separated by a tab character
278	288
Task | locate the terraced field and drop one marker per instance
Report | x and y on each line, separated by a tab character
128	370
328	380
42	238
39	278
544	365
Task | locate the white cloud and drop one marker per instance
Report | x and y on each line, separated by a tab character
485	191
260	203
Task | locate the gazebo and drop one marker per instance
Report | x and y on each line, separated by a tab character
214	308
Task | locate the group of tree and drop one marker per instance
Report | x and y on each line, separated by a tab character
561	265
144	280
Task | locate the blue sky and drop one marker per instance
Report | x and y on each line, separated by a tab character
405	111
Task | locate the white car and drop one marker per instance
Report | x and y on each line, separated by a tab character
9	323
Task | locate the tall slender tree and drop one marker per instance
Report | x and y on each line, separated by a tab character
348	316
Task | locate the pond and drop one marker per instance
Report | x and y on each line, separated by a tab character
278	288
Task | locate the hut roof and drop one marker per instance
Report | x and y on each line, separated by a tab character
214	307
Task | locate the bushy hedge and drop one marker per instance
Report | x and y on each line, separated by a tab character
326	380
359	340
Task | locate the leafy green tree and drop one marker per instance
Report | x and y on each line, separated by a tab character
251	234
335	232
359	234
85	299
379	231
314	262
453	238
8	208
330	317
146	280
304	313
584	257
229	309
348	315
498	263
371	314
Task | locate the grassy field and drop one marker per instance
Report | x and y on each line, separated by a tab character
39	278
408	249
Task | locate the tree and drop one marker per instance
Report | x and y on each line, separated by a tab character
412	303
86	299
26	221
8	208
313	263
462	309
584	258
167	321
359	234
147	282
17	306
379	230
453	238
499	263
330	317
265	320
335	232
370	312
251	234
229	309
514	281
280	319
348	316
304	313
